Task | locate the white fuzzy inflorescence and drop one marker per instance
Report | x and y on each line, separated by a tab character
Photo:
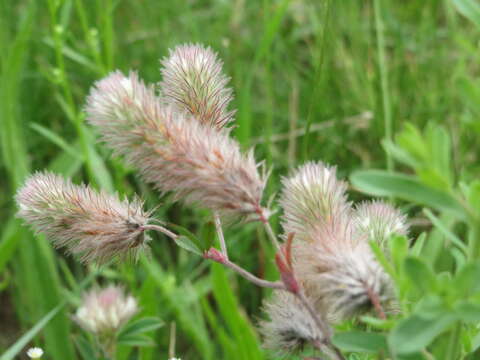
193	82
312	196
290	326
104	311
35	353
94	225
173	150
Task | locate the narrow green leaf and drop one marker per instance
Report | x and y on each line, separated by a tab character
417	247
85	348
399	250
55	139
136	340
140	326
360	341
383	183
445	231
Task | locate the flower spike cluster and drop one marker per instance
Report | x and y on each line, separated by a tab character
331	254
194	83
94	225
174	150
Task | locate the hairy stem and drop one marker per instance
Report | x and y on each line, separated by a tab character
375	300
215	255
161	229
270	233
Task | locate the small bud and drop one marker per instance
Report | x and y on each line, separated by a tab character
215	255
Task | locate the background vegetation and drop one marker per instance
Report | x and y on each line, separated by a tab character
388	85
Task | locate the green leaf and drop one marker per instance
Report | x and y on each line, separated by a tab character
360	341
468	312
415	333
472	194
136	340
189	235
400	154
445	231
383	183
430	307
185	243
382	259
377	323
399	250
417	247
140	326
420	275
85	349
470	9
467	281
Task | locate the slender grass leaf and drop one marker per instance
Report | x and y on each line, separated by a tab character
18	346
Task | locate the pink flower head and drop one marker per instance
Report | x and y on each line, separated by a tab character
193	82
94	225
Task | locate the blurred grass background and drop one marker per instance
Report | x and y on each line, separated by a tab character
314	79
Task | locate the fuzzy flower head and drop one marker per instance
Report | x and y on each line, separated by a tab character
312	195
104	311
379	220
173	150
290	327
193	82
35	353
331	257
94	225
341	275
